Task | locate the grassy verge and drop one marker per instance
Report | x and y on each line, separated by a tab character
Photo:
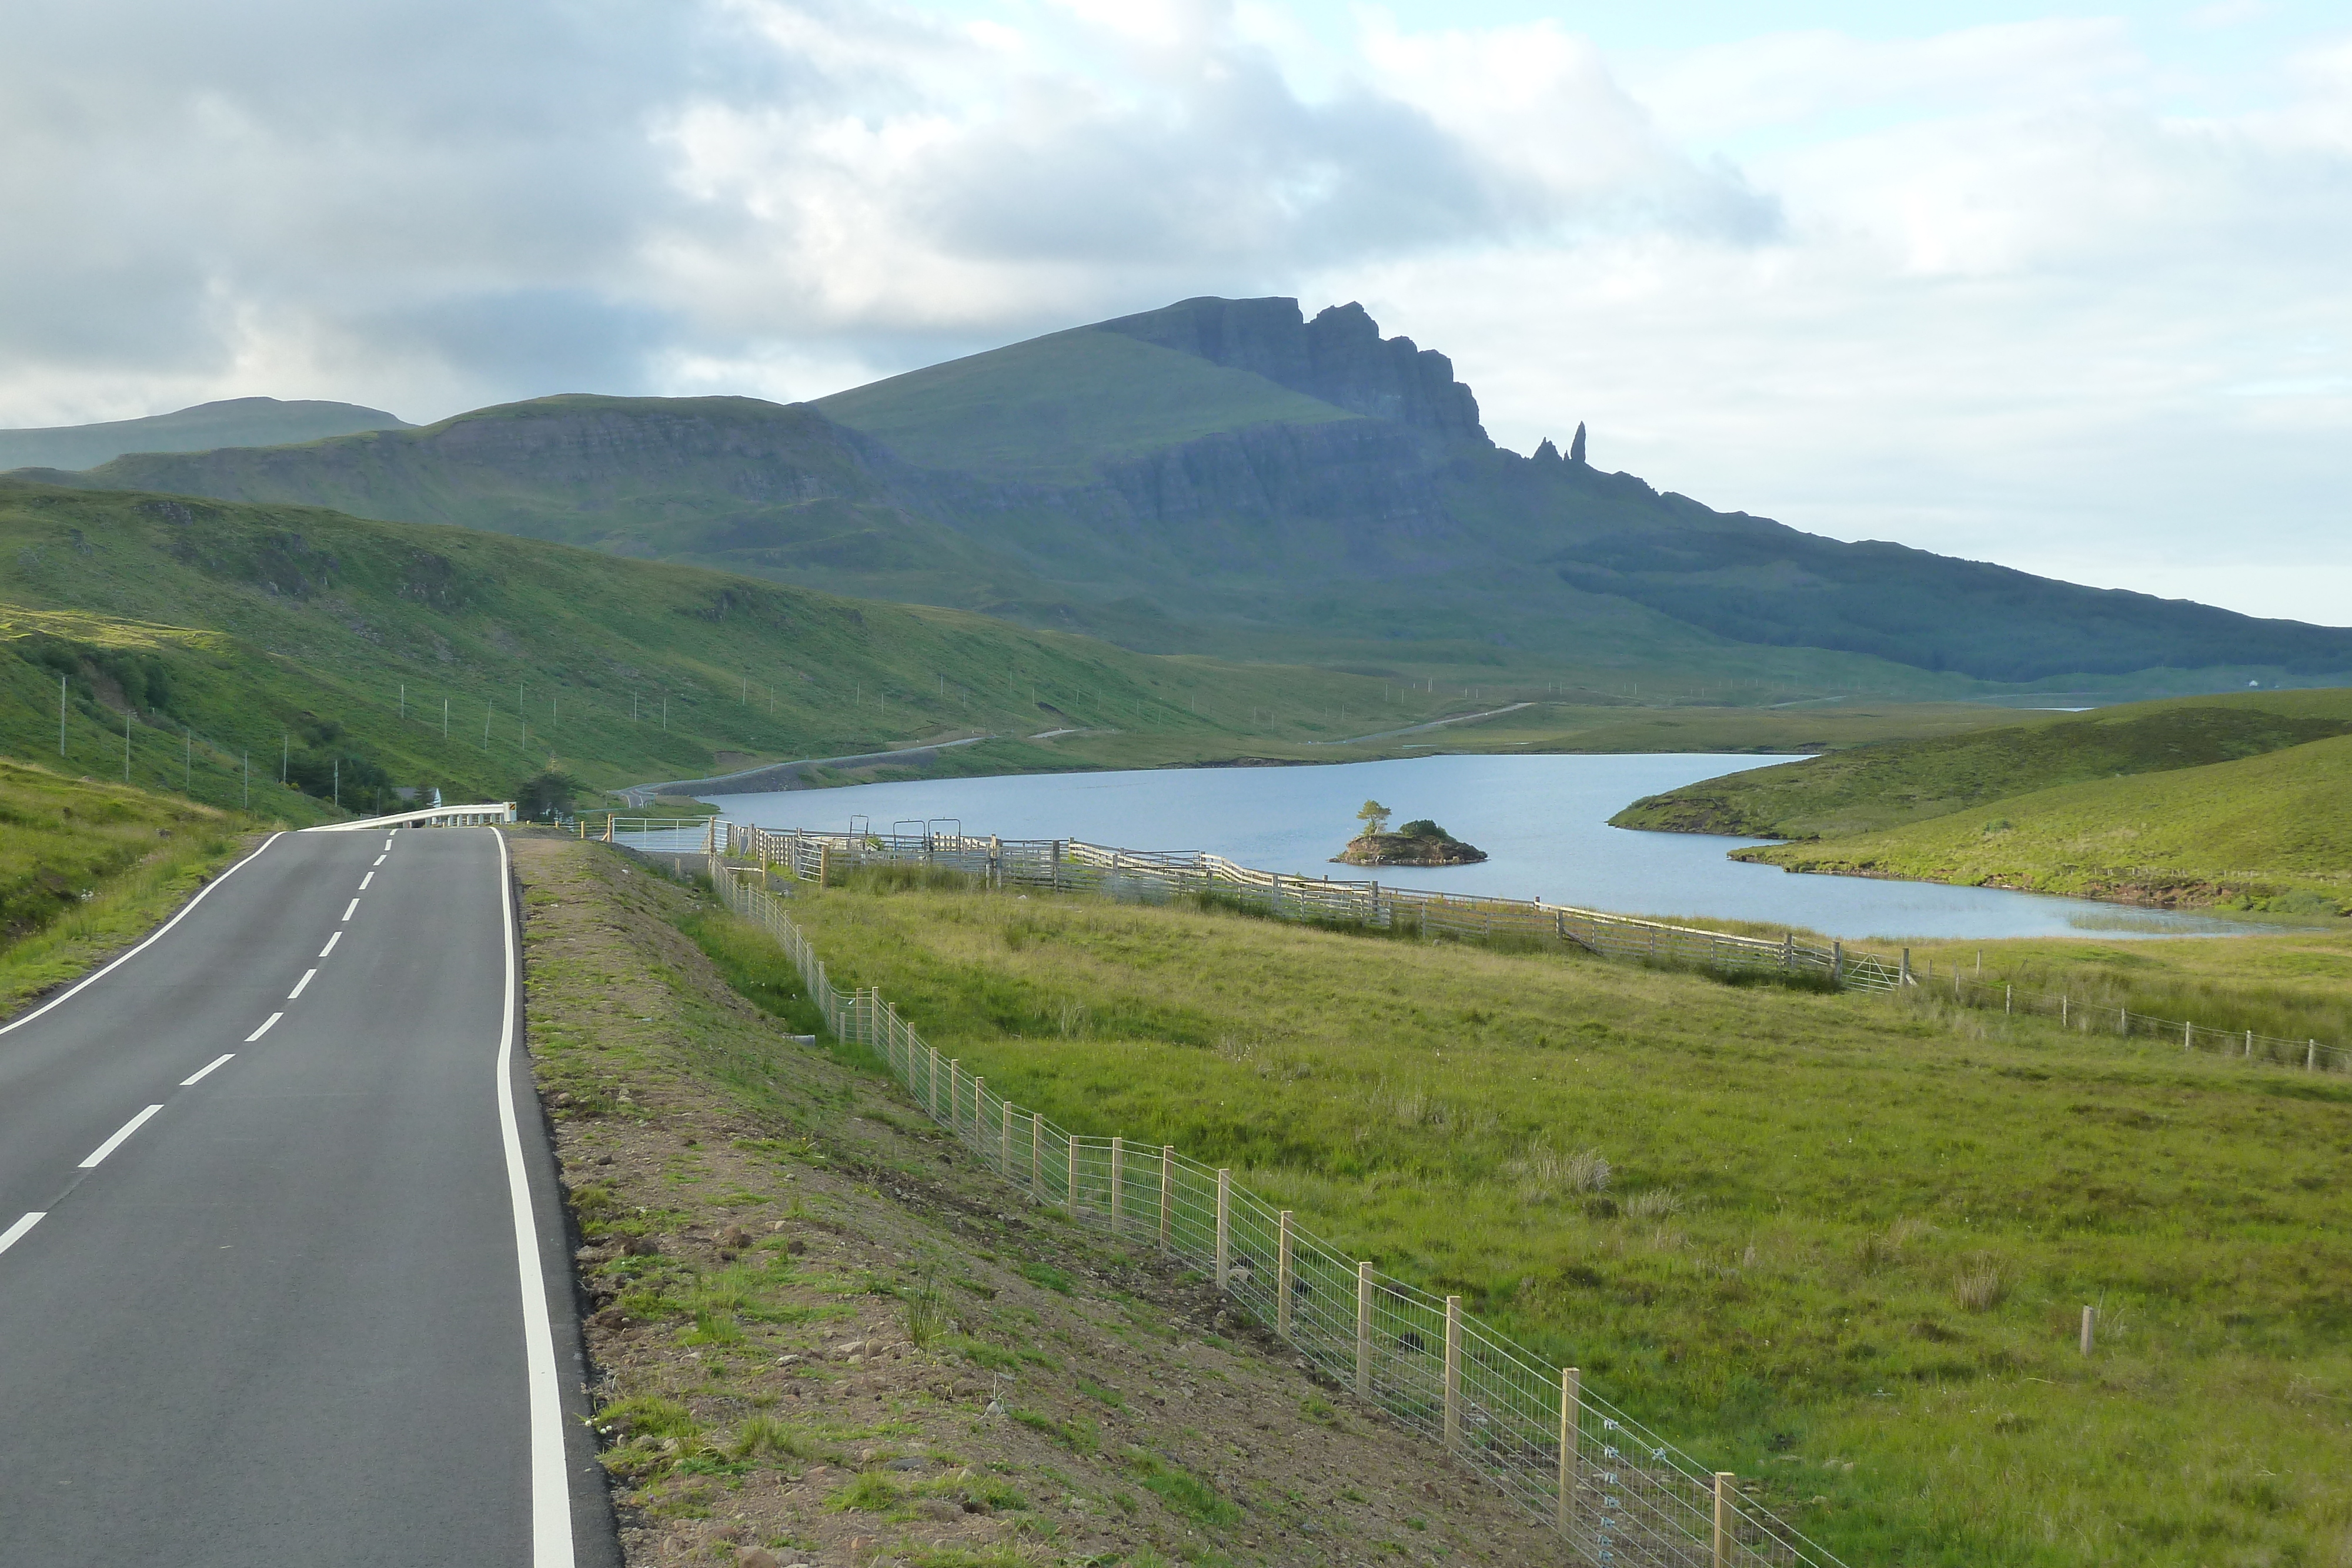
85	869
1842	1243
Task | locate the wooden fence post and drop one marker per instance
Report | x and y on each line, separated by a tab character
2009	999
2249	1045
932	1081
1224	1227
2090	1317
1167	1189
979	1089
2187	1037
955	1112
1117	1171
1036	1159
1282	1278
1453	1375
1723	1479
2310	1055
1004	1140
1837	963
1071	1144
1570	1377
1363	1331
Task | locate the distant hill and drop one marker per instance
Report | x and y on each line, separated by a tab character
2243	799
2272	832
234	422
1886	784
325	647
1232	477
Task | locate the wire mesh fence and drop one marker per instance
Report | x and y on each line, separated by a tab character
1071	865
1618	1494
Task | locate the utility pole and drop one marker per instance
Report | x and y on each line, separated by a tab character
404	699
248	780
664	713
339	783
285	753
187	756
61	715
126	745
487	709
633	707
445	718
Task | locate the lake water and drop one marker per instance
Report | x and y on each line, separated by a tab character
1543	821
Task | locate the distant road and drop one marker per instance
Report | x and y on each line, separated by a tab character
774	776
282	1266
1417	728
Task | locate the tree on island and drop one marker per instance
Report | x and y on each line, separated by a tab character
1375	818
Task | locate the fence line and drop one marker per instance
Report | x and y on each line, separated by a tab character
1072	866
1618	1495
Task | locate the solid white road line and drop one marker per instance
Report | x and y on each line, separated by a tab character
201	893
16	1233
550	1488
200	1074
115	1142
330	944
354	903
256	1034
305	980
365	880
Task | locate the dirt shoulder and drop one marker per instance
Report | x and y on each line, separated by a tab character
821	1337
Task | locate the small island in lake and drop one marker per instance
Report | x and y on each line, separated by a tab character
1419	842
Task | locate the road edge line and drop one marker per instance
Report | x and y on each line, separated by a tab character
157	936
551	1480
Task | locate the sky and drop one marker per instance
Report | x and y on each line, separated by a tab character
2068	290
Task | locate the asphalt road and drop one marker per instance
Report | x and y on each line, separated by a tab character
297	1291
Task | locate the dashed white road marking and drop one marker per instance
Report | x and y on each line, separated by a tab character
365	880
16	1233
354	903
256	1034
381	858
115	1142
200	1074
306	976
330	944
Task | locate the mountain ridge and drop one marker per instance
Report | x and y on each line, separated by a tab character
204	426
1236	474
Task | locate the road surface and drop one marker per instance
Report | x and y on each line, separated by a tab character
282	1267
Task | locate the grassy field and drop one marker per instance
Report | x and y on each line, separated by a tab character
2271	833
86	868
1924	775
1843	1244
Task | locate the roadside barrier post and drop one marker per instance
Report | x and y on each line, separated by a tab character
1117	1174
1723	1479
2090	1317
1570	1377
1282	1279
1167	1186
1363	1331
1453	1375
1224	1227
2189	1037
2009	999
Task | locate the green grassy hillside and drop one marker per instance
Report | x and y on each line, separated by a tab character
1871	788
1056	409
2271	833
326	638
1844	1242
86	868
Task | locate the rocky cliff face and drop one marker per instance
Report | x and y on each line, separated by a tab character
1339	357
